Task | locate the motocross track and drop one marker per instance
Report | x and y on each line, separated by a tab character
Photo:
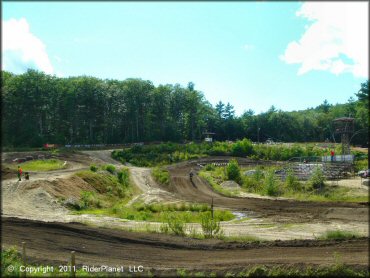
285	211
52	242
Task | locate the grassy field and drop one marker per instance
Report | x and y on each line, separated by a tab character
41	165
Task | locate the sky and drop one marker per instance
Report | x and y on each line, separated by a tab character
292	55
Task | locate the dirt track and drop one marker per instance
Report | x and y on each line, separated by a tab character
52	242
279	210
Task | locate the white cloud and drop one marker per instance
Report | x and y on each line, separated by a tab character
22	49
336	40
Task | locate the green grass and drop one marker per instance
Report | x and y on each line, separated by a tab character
264	183
338	234
41	165
10	257
217	187
167	153
188	213
161	175
108	190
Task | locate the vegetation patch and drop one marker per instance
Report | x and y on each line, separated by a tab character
167	153
263	181
110	189
41	165
161	175
157	212
338	234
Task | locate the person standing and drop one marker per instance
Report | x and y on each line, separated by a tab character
19	173
332	155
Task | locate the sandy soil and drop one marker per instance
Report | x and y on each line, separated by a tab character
51	243
265	218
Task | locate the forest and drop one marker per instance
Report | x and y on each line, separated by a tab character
38	108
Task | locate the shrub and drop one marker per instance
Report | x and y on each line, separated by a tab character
10	257
110	168
233	171
291	181
161	175
338	234
93	168
123	177
362	164
209	167
242	148
210	227
175	223
89	200
271	184
317	179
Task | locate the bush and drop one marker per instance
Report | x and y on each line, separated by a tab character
10	257
209	167
291	181
242	148
161	175
233	171
176	224
93	168
89	200
110	168
362	164
338	234
123	177
317	179
210	227
271	184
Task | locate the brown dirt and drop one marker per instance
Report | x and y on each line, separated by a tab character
280	210
51	243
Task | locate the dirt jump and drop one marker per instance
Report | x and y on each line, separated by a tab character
34	214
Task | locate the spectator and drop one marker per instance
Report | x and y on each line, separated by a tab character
332	155
19	173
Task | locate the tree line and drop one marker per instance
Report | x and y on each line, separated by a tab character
38	108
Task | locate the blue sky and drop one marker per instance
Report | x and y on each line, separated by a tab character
292	55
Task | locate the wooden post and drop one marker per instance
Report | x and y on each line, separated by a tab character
73	264
212	208
23	274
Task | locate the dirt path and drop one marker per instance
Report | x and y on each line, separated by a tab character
51	243
143	179
263	218
102	156
279	210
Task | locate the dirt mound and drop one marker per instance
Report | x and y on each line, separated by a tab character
37	198
7	173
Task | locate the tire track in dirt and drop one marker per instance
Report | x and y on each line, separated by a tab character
52	242
280	210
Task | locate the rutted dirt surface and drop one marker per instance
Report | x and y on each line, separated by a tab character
265	218
279	210
52	242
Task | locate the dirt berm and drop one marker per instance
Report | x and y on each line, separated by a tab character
51	243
